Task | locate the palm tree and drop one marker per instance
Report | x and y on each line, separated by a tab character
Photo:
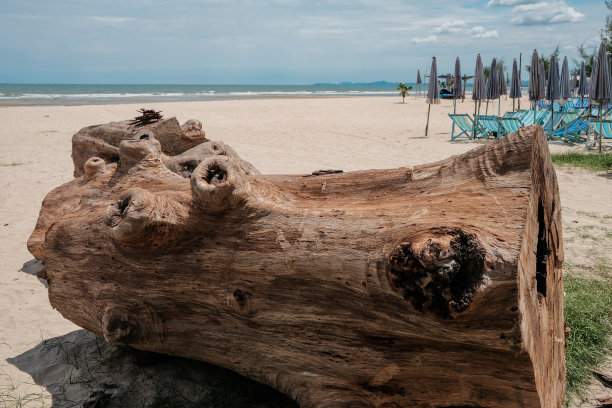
403	90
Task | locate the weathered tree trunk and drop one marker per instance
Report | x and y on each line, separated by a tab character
433	286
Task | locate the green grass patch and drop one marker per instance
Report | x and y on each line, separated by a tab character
589	161
588	311
11	397
12	164
594	215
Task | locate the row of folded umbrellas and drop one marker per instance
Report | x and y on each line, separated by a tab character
556	88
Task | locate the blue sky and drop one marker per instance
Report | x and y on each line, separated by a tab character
278	41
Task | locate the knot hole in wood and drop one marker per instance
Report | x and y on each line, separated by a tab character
438	274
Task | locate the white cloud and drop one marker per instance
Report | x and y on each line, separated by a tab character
451	27
481	33
429	39
112	20
460	26
494	3
545	13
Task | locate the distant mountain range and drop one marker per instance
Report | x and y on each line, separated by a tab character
377	83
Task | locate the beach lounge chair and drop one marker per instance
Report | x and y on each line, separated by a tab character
595	111
491	125
553	121
578	111
510	125
580	102
465	125
606	113
571	131
527	116
522	115
570	117
603	128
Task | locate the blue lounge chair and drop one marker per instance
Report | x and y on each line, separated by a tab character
510	125
606	112
527	116
579	103
570	117
578	111
465	124
491	125
571	131
553	121
603	128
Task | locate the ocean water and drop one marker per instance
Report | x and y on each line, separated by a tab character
73	94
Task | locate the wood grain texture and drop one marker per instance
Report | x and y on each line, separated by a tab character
433	286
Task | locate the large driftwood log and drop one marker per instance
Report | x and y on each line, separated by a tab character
433	286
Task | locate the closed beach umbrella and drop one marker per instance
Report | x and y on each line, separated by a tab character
418	82
600	83
542	82
564	83
492	83
503	88
515	85
433	91
479	92
592	80
535	78
457	86
583	87
591	88
552	87
610	79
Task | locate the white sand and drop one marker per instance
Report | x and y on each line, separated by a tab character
277	136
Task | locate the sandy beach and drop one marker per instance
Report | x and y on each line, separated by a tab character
292	135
